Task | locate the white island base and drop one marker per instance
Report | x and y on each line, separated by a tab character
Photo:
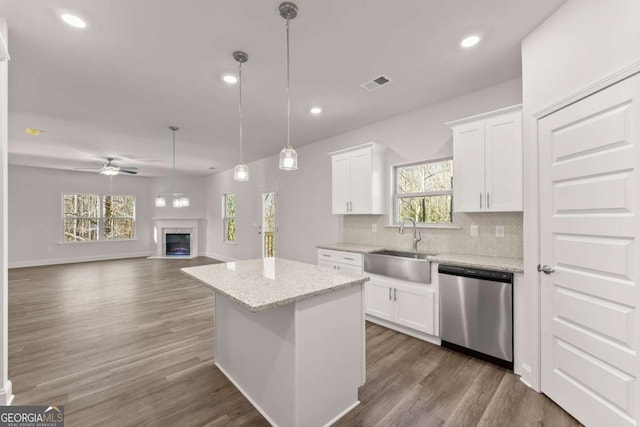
299	364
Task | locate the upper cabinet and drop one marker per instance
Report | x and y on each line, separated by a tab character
357	180
487	162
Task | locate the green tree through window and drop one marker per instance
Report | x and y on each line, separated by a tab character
424	192
89	217
229	217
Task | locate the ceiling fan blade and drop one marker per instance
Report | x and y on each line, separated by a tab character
89	169
131	171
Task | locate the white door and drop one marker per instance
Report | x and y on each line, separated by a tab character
468	168
379	300
268	225
503	163
414	307
589	225
340	182
360	196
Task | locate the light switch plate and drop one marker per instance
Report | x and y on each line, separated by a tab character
473	230
374	228
499	230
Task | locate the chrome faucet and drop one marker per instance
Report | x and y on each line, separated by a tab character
416	234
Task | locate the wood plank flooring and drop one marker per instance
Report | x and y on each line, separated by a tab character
130	343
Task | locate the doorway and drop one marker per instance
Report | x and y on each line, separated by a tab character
267	220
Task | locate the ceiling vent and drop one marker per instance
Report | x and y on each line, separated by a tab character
376	83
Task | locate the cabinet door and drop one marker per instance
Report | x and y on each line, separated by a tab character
469	168
414	307
503	160
340	183
378	300
327	264
361	181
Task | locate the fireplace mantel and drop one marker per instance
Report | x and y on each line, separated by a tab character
162	226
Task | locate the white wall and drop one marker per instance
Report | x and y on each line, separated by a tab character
305	218
195	189
35	216
580	44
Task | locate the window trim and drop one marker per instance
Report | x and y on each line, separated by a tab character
393	196
100	219
225	218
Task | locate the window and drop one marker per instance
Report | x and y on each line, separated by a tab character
424	192
89	217
229	217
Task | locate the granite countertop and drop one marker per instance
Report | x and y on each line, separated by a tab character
259	284
352	247
512	265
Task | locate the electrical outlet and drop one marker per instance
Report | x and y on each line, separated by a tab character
499	230
374	228
473	230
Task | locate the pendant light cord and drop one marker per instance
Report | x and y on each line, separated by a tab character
288	92
240	105
174	163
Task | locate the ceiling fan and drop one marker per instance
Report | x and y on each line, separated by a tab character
111	168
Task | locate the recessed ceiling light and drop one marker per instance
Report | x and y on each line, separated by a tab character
73	20
315	110
230	79
33	131
470	41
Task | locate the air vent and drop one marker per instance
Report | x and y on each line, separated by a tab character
377	82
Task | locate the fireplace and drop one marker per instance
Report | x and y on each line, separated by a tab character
178	244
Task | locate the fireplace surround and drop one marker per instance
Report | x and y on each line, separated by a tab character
169	226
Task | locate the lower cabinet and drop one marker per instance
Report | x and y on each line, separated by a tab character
347	262
404	303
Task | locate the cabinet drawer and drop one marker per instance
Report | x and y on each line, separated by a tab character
349	258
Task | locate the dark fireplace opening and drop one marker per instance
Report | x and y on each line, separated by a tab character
178	244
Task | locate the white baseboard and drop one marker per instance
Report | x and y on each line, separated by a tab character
407	331
36	263
220	257
6	394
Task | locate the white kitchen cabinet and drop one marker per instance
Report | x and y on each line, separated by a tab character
349	262
487	162
357	177
402	303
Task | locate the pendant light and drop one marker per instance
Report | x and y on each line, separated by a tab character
180	200
288	156
241	171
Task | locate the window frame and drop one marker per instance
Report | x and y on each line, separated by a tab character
225	218
100	219
395	196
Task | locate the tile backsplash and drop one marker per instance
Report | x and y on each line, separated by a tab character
357	229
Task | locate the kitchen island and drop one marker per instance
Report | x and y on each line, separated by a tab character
289	336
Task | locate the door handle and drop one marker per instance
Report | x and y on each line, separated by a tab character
389	294
546	269
480	200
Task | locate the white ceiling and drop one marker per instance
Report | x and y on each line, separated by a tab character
141	65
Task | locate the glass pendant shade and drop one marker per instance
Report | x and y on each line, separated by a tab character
161	202
288	159
180	201
241	172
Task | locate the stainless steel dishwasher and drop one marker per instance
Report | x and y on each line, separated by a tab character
476	312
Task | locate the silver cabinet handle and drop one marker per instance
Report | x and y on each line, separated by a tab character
334	266
395	294
488	200
348	258
338	267
347	206
389	294
326	255
480	200
546	269
350	206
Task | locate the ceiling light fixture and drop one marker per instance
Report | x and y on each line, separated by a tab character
315	110
180	200
470	41
73	20
230	79
33	131
241	171
288	156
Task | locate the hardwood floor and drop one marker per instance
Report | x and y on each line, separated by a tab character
130	343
